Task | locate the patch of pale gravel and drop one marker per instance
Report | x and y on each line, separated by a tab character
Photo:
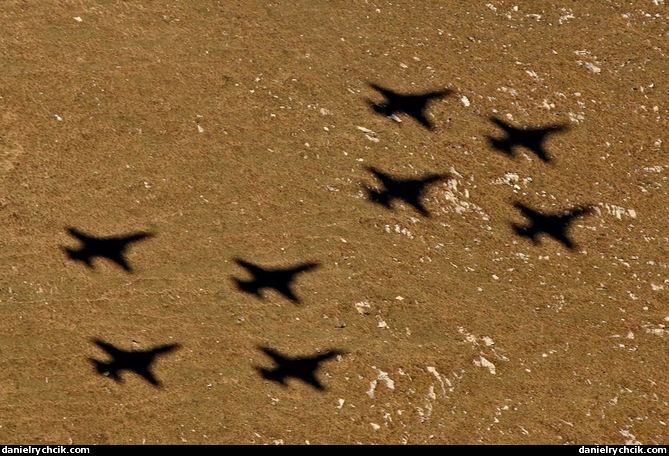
381	377
658	329
654	169
483	362
397	229
630	438
457	196
443	381
363	307
566	16
617	211
369	134
486	347
513	180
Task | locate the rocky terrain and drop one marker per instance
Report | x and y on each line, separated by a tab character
247	133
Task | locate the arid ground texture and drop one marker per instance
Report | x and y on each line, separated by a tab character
519	296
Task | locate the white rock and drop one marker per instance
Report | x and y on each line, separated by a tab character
592	67
482	362
362	307
369	134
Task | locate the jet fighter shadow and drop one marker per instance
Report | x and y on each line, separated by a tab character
555	225
301	368
410	191
532	139
137	361
412	104
112	248
279	279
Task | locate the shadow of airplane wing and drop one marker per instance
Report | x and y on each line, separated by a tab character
275	355
107	347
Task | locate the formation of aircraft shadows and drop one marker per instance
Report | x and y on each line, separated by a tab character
553	225
137	361
302	368
279	279
531	138
112	247
408	190
412	104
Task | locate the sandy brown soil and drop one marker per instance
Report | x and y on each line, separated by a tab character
231	129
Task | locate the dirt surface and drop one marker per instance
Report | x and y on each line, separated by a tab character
243	129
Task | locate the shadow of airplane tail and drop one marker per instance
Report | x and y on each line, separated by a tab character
500	145
77	255
247	286
525	232
271	375
105	369
378	197
380	108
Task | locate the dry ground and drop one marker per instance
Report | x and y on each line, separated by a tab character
230	128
